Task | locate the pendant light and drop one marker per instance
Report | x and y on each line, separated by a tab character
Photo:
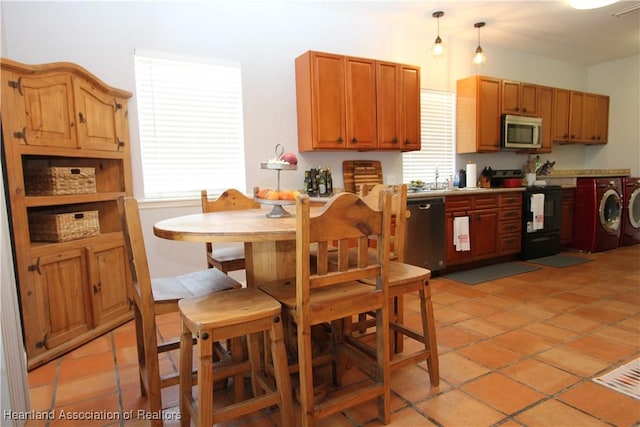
479	58
438	47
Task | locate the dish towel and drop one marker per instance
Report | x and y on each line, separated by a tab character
461	233
537	208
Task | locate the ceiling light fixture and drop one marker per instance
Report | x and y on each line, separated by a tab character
479	58
590	4
438	47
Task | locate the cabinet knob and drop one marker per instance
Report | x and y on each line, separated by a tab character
340	140
395	140
407	142
354	140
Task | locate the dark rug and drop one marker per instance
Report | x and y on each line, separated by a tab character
491	272
559	260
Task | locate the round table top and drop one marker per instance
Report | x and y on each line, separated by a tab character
248	225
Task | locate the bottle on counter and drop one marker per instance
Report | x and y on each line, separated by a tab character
329	182
322	183
313	174
308	186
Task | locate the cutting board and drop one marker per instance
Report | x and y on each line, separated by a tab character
358	172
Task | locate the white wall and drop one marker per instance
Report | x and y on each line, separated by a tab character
265	38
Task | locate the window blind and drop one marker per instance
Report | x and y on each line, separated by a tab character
191	132
437	118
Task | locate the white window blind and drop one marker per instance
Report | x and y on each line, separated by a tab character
191	131
437	119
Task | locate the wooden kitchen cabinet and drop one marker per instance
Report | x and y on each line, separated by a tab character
580	118
478	114
519	98
561	115
482	211
495	227
61	116
568	208
398	106
595	119
348	103
510	223
545	112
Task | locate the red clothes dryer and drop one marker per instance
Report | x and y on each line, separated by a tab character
597	219
630	233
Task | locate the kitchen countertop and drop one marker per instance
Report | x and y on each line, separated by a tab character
461	192
586	173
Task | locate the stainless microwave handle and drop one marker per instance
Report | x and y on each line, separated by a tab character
537	136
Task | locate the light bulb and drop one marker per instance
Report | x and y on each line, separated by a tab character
479	58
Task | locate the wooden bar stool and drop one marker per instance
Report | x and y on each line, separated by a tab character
239	312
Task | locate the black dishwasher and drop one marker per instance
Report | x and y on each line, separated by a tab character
425	244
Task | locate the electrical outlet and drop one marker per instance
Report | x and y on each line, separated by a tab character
391	179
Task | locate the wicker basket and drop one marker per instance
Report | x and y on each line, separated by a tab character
58	181
63	227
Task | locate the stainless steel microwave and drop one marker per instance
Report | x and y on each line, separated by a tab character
521	132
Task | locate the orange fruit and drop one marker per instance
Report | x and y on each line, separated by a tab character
262	193
272	195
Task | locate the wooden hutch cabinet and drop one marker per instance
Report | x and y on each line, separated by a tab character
72	287
349	103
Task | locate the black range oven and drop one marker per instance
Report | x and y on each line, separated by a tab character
540	240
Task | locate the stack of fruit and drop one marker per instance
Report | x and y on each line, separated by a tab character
270	194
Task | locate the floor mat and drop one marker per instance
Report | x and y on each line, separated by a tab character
559	260
625	379
491	272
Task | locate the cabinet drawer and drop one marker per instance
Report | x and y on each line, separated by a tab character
485	202
510	214
512	199
457	203
508	227
509	244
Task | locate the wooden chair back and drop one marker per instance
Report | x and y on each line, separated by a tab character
332	293
399	213
229	200
229	258
343	220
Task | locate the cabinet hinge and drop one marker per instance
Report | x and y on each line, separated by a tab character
117	105
21	135
120	143
16	84
35	267
96	288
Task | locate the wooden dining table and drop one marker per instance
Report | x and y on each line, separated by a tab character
270	247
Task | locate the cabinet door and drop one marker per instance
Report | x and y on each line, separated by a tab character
109	281
576	117
488	115
483	228
388	101
48	111
545	112
410	107
96	113
453	256
528	99
328	88
60	295
602	119
361	104
510	97
561	114
588	130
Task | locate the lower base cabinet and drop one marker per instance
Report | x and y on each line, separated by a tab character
75	295
494	226
568	207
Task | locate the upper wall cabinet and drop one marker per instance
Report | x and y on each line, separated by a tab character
348	103
519	98
478	114
568	117
580	118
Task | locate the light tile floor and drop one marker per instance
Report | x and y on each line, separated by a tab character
519	351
